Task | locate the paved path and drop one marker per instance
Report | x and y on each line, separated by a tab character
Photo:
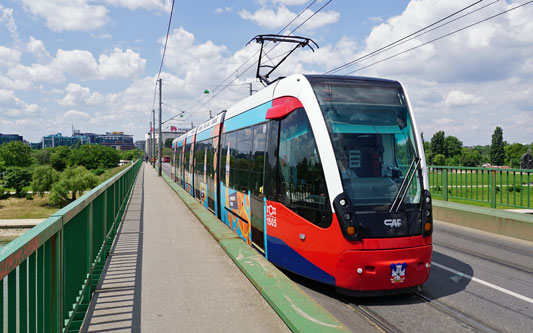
167	274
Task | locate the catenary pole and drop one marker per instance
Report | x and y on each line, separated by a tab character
153	139
160	125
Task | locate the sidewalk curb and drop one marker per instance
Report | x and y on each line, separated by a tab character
297	309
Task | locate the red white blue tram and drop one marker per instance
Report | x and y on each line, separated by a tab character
324	175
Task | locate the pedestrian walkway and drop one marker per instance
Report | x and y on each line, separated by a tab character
165	273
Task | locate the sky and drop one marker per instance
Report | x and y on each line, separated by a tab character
93	64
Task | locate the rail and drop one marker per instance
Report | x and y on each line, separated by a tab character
48	275
492	186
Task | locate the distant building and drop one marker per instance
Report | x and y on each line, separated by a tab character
117	140
5	138
56	140
140	144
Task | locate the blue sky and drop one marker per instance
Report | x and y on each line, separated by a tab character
93	63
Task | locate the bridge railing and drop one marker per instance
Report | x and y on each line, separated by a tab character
494	186
48	274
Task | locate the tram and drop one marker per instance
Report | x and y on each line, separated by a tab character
324	175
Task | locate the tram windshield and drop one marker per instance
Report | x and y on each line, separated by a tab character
373	139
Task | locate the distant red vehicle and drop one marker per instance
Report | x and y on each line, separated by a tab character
166	159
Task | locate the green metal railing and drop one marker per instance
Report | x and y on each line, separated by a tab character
48	275
494	186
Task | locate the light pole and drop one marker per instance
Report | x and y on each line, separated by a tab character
160	134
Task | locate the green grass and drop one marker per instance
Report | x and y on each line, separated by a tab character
21	208
38	208
512	189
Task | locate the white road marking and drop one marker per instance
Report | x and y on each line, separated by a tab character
488	284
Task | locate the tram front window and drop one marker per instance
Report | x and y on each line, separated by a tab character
373	139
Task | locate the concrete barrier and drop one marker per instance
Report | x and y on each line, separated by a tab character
497	221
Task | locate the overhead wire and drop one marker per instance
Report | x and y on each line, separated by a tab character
390	45
266	53
164	52
441	37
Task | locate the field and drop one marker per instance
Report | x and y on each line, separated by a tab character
513	188
21	208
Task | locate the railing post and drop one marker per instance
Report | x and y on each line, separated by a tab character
493	188
445	184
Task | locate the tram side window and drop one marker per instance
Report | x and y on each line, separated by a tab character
303	186
187	157
199	156
229	141
241	163
258	159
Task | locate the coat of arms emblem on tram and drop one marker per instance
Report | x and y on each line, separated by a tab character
397	274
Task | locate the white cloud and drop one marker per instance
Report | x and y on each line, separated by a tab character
68	15
227	9
274	19
76	115
159	5
8	57
35	73
6	17
36	47
12	106
459	98
79	95
81	64
120	64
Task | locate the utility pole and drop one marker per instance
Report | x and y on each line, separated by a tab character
150	143
160	134
153	139
210	116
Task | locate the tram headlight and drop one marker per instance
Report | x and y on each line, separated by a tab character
347	216
428	213
350	231
427	227
342	202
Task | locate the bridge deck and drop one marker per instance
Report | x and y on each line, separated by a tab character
166	273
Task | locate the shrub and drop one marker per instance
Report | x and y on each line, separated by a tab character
43	179
3	193
73	180
17	178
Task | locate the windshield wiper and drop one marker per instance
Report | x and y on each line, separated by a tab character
404	186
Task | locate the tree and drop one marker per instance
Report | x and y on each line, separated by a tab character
439	159
59	159
437	145
513	153
15	153
497	152
43	179
470	157
453	146
73	180
132	154
168	143
95	156
43	155
17	178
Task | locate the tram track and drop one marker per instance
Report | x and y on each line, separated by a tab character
484	256
456	314
374	318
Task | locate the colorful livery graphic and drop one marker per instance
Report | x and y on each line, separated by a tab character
324	175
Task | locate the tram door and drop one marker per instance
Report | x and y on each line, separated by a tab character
256	185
